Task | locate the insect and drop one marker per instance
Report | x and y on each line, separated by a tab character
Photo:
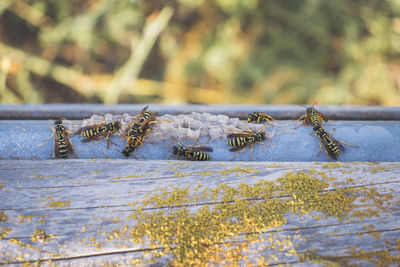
93	132
62	145
259	117
240	141
132	145
138	130
191	152
312	116
332	146
136	127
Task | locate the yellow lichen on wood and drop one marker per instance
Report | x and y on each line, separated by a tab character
3	216
4	231
56	203
40	235
247	210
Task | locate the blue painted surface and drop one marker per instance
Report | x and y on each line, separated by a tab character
378	141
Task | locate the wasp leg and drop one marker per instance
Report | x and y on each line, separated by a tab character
320	149
263	144
251	150
248	129
54	132
195	144
134	154
303	117
117	150
303	123
126	134
208	140
343	142
237	154
108	140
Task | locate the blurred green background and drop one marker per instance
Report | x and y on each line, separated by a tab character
200	51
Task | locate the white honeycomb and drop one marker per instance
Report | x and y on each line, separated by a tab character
182	127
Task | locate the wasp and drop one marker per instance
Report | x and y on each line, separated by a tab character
138	130
133	144
312	116
259	117
241	141
332	146
62	145
93	132
191	152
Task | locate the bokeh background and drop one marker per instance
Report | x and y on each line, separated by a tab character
200	51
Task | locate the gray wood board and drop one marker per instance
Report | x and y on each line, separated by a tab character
378	141
281	112
80	203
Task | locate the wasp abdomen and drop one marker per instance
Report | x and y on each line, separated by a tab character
237	141
199	155
62	148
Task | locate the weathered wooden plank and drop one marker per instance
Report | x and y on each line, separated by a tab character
377	140
281	112
87	205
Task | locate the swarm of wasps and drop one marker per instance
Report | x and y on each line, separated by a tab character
239	141
137	131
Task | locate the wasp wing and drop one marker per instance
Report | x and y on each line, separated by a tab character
340	146
149	119
326	147
234	135
267	116
189	156
92	138
140	114
237	148
56	150
70	148
325	118
98	125
199	148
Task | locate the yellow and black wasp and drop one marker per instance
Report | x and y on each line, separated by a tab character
332	146
133	144
62	145
92	132
138	130
312	116
191	152
259	117
240	141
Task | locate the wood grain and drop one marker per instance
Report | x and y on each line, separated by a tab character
79	204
